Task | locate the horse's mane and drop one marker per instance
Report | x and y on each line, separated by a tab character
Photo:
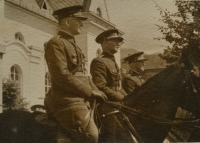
163	83
163	78
191	57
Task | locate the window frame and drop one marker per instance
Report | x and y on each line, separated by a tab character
99	12
20	37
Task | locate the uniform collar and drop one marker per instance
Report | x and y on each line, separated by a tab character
66	35
108	55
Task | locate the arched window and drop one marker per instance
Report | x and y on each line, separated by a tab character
20	37
14	73
47	82
99	13
16	76
12	97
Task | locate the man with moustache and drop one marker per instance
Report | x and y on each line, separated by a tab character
133	80
72	95
106	76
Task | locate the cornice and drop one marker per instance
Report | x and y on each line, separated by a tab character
98	20
103	23
34	52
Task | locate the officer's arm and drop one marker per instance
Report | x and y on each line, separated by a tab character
128	85
56	57
99	76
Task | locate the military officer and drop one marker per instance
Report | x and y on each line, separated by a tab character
106	76
70	100
133	80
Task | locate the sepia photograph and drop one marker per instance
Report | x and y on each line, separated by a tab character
99	71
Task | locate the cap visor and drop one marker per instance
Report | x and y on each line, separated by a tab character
143	60
81	17
119	38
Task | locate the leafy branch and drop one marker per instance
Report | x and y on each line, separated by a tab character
180	29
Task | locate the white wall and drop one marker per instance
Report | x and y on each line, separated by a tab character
32	64
32	36
92	48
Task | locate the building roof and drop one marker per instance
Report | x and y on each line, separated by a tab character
58	4
39	2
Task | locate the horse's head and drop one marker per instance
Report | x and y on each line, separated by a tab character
190	62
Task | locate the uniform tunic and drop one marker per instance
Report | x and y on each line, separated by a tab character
69	98
106	76
131	82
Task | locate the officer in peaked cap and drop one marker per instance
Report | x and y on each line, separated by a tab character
133	79
139	56
109	35
106	76
73	11
110	42
71	99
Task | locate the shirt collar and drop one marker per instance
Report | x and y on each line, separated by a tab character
108	55
66	35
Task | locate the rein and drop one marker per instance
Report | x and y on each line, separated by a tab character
156	119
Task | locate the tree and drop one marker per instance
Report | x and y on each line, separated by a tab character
11	96
181	29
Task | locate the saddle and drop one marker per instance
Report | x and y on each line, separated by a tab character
46	120
42	117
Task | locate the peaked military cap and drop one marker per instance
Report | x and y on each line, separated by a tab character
107	35
135	57
72	11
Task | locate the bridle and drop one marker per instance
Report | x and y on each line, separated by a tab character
189	81
190	86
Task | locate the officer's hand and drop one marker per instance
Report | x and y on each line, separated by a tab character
100	96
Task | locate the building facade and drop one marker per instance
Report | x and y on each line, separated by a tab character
26	25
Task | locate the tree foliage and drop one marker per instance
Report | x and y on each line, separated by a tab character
181	29
11	96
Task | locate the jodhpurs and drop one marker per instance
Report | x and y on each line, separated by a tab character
77	121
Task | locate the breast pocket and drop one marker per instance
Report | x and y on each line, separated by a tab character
115	76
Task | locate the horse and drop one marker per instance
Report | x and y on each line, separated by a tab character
156	102
151	109
20	126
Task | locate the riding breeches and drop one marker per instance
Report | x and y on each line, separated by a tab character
78	122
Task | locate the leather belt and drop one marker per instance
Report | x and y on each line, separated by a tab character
80	74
